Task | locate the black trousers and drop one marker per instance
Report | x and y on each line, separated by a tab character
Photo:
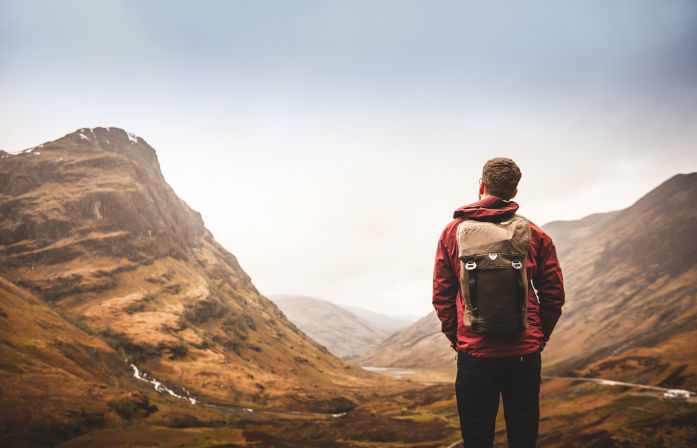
479	384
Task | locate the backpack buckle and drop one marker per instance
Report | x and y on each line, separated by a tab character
516	264
470	265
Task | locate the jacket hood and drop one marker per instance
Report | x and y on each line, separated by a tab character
490	208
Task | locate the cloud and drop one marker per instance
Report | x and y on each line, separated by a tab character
327	143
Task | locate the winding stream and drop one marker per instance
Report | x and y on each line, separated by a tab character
159	387
186	395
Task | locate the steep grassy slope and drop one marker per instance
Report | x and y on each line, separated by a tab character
631	282
89	225
343	333
55	379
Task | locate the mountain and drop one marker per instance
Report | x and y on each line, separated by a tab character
124	323
631	284
342	332
387	323
421	344
90	227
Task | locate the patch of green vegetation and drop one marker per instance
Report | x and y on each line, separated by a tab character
67	349
141	434
239	324
191	421
230	342
32	350
139	305
203	311
9	358
420	417
179	350
74	284
124	407
73	320
135	353
52	431
129	409
234	327
135	307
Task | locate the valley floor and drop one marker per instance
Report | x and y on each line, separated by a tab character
418	417
417	412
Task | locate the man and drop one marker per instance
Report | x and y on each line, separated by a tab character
497	341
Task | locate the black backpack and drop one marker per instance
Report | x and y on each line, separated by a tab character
493	278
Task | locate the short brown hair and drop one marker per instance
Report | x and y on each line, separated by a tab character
500	176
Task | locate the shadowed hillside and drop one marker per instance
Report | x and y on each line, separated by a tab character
49	367
631	283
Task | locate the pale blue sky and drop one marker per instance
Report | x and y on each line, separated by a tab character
326	143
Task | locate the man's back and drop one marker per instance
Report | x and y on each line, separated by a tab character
506	364
543	271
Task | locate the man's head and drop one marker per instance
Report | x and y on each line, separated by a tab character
500	177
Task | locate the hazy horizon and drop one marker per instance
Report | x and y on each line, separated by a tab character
327	143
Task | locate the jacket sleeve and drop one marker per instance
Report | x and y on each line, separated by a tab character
549	284
445	288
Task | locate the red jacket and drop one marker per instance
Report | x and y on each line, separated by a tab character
543	270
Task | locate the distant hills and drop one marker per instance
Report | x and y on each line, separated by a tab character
421	344
631	284
387	323
342	332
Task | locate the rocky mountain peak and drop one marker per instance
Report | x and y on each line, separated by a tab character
112	140
93	179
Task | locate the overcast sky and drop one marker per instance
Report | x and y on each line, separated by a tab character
327	143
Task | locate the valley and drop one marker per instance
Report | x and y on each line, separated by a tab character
123	322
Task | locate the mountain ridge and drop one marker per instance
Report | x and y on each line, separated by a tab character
89	225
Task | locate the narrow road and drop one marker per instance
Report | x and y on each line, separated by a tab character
604	382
